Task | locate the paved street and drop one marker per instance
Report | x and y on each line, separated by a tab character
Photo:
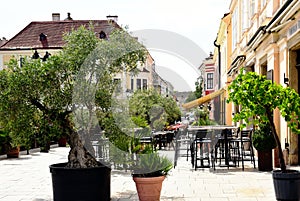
28	179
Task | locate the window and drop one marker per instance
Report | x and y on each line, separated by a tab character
210	80
144	83
131	84
22	60
102	35
234	29
245	18
263	3
117	83
138	84
252	8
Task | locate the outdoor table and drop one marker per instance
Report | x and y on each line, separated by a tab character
225	136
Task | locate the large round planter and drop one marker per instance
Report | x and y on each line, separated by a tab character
287	185
149	188
265	160
80	184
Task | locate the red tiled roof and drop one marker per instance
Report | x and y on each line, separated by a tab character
29	37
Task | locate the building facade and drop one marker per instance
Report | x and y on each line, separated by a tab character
263	36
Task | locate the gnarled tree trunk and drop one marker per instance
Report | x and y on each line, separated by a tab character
79	156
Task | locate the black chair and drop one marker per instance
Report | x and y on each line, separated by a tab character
169	139
242	148
183	142
222	152
201	149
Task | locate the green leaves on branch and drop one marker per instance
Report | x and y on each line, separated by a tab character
256	95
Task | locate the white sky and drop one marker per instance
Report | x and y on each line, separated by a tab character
197	20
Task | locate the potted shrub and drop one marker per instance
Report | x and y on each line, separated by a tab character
6	146
258	98
64	92
149	171
264	143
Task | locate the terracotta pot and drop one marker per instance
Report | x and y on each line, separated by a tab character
149	188
62	142
13	152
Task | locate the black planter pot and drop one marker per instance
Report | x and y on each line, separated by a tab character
82	184
287	185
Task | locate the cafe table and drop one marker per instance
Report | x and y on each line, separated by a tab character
223	135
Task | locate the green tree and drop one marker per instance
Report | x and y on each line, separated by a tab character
156	110
199	89
63	94
258	98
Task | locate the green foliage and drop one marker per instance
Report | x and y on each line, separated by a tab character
199	89
263	139
139	121
257	96
190	97
151	165
202	117
38	99
157	110
4	141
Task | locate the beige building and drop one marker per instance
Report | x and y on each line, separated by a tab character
42	38
263	36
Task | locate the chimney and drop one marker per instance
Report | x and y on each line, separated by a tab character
69	17
112	18
55	17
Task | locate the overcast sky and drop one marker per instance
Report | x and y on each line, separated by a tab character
196	20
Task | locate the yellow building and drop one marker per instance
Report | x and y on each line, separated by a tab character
263	36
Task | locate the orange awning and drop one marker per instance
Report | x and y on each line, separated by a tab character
203	99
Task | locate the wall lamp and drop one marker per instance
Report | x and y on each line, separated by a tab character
285	79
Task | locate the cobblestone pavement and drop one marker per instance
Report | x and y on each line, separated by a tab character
28	179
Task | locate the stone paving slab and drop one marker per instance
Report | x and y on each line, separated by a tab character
28	179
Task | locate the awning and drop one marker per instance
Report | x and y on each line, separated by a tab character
203	99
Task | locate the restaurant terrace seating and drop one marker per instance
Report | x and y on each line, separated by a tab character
183	142
242	147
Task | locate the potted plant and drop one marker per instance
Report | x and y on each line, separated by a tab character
264	143
149	172
258	98
64	92
6	146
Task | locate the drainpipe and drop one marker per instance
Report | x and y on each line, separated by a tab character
219	62
222	116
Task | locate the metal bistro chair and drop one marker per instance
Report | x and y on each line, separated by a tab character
202	149
242	147
222	152
183	143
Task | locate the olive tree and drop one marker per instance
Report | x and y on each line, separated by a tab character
60	96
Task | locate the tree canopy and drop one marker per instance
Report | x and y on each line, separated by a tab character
151	107
41	96
258	98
